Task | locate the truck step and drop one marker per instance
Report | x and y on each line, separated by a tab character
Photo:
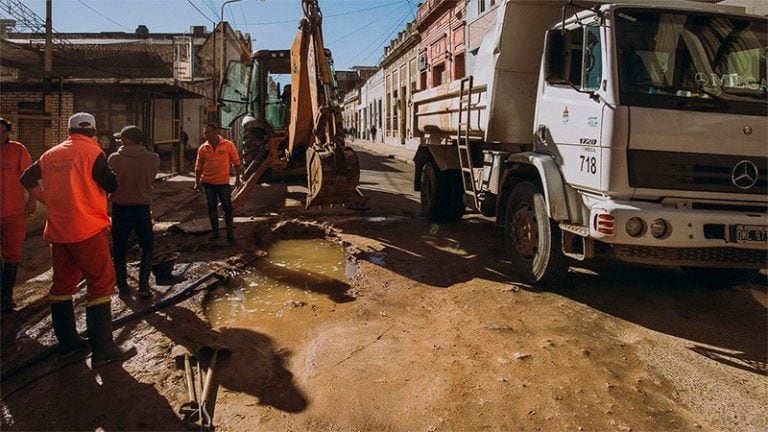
576	229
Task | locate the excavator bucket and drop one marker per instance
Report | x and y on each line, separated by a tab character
333	174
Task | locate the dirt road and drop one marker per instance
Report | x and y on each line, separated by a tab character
430	333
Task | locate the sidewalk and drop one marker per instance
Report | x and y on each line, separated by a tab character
399	152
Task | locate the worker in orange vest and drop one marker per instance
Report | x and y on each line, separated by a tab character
14	159
214	158
76	179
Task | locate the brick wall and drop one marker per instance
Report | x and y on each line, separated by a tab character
40	122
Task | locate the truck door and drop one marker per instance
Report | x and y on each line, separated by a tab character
569	112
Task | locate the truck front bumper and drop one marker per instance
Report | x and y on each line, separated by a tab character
691	236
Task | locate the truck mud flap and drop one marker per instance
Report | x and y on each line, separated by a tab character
333	175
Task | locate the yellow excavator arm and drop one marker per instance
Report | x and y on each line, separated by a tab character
333	170
315	126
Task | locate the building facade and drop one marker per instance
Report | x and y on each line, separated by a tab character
401	81
371	107
441	58
351	85
480	17
162	83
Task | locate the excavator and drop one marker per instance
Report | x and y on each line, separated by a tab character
298	131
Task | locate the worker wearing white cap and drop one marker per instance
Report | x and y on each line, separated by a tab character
76	179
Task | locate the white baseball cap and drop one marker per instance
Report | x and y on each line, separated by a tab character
82	120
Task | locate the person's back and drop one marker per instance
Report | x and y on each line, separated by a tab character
14	206
135	168
75	181
77	206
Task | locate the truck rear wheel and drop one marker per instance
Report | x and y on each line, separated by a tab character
441	194
456	206
531	239
713	278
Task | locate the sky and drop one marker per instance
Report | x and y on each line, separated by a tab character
356	31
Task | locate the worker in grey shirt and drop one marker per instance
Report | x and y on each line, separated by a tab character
135	167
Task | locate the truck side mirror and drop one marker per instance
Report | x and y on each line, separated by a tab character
554	59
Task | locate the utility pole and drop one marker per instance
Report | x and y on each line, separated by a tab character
48	45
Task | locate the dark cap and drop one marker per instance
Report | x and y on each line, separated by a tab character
131	132
8	125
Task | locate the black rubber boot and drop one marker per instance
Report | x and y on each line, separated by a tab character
7	282
230	230
63	318
121	275
214	219
145	267
99	321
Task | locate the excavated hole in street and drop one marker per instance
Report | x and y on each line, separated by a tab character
297	275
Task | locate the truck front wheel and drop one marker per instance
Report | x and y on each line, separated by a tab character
719	277
531	240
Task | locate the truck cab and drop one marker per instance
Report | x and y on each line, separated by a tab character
647	137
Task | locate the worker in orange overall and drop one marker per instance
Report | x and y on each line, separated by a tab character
76	179
14	159
214	158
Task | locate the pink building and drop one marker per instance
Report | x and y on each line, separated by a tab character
441	50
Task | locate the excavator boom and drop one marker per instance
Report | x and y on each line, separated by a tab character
313	134
333	170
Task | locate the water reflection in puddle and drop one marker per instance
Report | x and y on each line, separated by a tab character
296	275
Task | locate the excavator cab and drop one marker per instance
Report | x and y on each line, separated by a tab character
301	121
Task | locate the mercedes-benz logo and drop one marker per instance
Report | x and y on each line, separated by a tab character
744	174
702	79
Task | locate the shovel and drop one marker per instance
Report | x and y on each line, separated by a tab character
215	352
190	409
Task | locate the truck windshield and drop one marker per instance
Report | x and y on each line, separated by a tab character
692	61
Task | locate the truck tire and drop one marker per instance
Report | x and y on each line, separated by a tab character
456	206
713	278
531	239
441	194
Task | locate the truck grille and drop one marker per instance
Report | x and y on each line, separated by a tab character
692	171
716	257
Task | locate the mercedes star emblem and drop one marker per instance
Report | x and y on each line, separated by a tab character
744	174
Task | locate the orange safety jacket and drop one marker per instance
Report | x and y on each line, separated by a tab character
76	204
213	163
14	159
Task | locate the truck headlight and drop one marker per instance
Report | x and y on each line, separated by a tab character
635	227
660	228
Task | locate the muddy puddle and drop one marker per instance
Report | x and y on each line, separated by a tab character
296	278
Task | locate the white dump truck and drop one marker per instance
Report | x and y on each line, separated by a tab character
632	129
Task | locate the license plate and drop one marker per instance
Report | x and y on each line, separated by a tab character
751	234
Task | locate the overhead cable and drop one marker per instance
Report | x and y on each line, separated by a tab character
387	4
391	32
201	12
375	20
103	16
